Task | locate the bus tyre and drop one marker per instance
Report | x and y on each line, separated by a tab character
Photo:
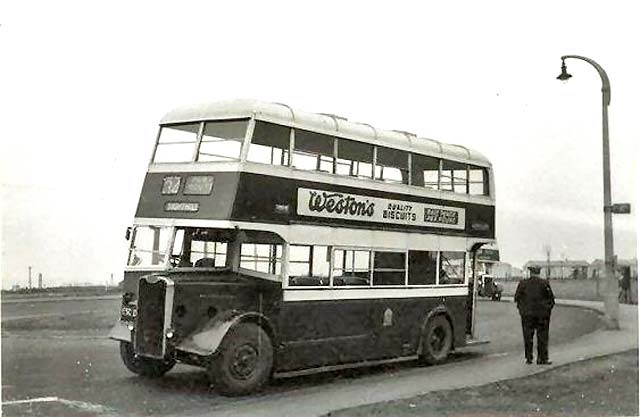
147	367
243	362
437	340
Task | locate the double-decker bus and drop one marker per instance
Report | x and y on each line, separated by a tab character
271	242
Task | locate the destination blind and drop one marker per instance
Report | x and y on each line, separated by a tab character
336	205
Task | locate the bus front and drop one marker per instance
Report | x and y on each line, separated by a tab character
191	272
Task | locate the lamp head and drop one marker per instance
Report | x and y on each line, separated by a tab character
564	75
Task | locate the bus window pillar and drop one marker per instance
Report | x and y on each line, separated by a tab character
234	251
246	142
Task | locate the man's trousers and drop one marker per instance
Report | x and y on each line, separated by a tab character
540	326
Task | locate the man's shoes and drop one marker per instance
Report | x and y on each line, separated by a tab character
544	362
528	361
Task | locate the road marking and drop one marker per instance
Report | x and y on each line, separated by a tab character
497	355
82	405
94	408
32	400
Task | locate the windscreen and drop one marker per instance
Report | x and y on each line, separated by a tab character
148	246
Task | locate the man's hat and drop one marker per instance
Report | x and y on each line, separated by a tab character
534	269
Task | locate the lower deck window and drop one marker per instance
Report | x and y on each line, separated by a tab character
198	248
351	267
308	265
422	267
389	268
261	257
452	266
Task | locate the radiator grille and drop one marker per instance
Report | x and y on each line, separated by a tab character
149	334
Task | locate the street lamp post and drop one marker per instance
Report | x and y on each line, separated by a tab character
610	285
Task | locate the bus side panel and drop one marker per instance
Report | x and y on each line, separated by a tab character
398	323
275	200
321	333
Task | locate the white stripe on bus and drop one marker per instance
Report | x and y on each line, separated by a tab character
333	236
369	293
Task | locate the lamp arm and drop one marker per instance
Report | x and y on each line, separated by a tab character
606	86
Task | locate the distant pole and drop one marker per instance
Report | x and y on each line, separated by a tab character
29	286
40	280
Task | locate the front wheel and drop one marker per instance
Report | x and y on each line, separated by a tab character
244	360
437	340
147	367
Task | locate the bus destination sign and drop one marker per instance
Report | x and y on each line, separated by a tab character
336	205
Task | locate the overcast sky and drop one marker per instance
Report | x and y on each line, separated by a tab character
83	86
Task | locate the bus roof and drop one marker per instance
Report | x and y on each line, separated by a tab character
323	123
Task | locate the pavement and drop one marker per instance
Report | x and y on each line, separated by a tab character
316	401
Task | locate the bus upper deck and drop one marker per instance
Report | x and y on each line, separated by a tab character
249	161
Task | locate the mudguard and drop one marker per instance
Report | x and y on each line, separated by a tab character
206	340
120	331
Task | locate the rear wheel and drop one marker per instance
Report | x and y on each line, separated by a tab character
147	367
244	360
437	340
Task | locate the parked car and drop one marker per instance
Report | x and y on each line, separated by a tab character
489	288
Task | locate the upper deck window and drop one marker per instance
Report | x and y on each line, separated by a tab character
177	142
222	140
354	159
425	171
478	181
313	151
270	144
453	177
392	165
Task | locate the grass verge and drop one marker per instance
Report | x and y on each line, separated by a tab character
605	386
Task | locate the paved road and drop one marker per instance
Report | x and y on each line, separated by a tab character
80	374
38	307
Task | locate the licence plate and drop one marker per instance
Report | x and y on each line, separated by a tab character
128	313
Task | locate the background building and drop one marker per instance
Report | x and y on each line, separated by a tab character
596	269
565	269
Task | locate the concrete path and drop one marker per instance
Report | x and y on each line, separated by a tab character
320	400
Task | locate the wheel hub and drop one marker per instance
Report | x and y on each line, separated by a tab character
244	362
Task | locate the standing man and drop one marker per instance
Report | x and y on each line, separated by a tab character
535	300
625	285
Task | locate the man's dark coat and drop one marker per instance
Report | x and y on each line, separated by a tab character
534	297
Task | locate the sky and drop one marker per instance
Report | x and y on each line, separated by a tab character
83	86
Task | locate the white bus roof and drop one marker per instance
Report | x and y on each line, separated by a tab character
323	123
